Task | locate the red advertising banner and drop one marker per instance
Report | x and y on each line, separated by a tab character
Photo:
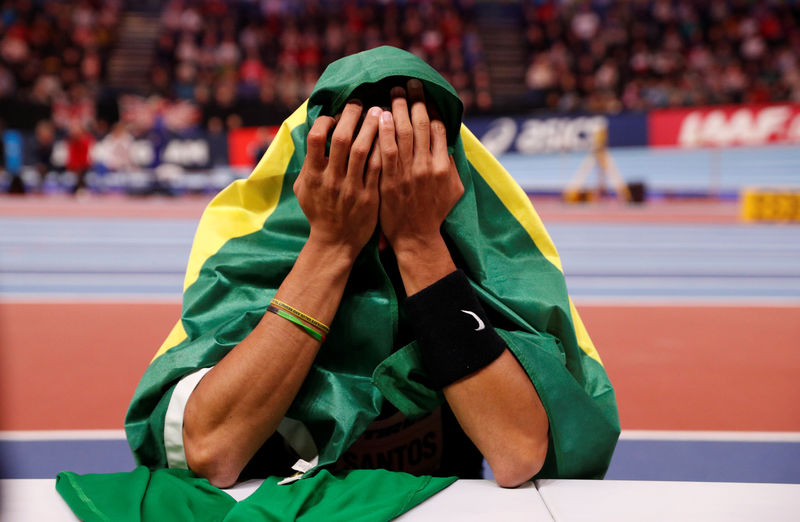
725	126
247	143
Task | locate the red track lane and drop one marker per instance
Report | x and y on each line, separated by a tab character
701	368
75	366
109	206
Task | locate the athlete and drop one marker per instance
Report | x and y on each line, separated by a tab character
393	307
408	184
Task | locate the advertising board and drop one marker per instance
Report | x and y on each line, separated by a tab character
549	134
725	126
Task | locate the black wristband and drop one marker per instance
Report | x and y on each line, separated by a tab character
452	330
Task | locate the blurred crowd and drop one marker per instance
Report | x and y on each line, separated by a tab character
53	58
221	64
606	56
254	62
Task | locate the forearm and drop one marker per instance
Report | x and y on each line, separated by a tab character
497	406
499	410
241	401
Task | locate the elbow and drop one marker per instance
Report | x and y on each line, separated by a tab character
209	462
513	470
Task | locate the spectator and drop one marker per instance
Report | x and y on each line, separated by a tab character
117	148
44	139
2	152
78	162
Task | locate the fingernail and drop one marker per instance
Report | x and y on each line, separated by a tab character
397	92
414	84
355	102
375	111
386	117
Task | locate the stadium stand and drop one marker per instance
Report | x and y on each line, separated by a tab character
611	56
204	68
53	58
250	64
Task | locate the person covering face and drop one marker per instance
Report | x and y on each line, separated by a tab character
378	274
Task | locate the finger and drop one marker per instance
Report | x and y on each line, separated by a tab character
373	173
402	122
362	145
441	160
388	145
343	137
419	118
315	142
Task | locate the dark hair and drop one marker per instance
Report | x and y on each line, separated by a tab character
378	93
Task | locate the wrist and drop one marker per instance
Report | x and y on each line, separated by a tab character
419	248
333	255
452	329
422	262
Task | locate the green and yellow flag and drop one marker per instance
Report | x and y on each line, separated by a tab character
251	233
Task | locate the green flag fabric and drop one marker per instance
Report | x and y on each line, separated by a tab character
354	495
179	496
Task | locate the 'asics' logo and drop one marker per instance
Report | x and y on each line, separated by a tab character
481	326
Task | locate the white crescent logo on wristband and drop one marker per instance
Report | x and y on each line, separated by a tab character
481	326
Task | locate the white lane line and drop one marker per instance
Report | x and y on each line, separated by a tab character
63	435
71	298
682	301
593	301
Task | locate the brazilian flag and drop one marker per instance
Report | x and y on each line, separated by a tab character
251	233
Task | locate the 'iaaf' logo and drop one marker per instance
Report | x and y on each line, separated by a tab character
745	126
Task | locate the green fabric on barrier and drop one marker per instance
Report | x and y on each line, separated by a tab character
358	495
178	496
141	495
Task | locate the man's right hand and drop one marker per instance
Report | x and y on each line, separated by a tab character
338	195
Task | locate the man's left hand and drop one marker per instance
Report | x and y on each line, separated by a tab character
419	183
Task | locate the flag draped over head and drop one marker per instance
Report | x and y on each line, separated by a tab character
251	233
247	242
